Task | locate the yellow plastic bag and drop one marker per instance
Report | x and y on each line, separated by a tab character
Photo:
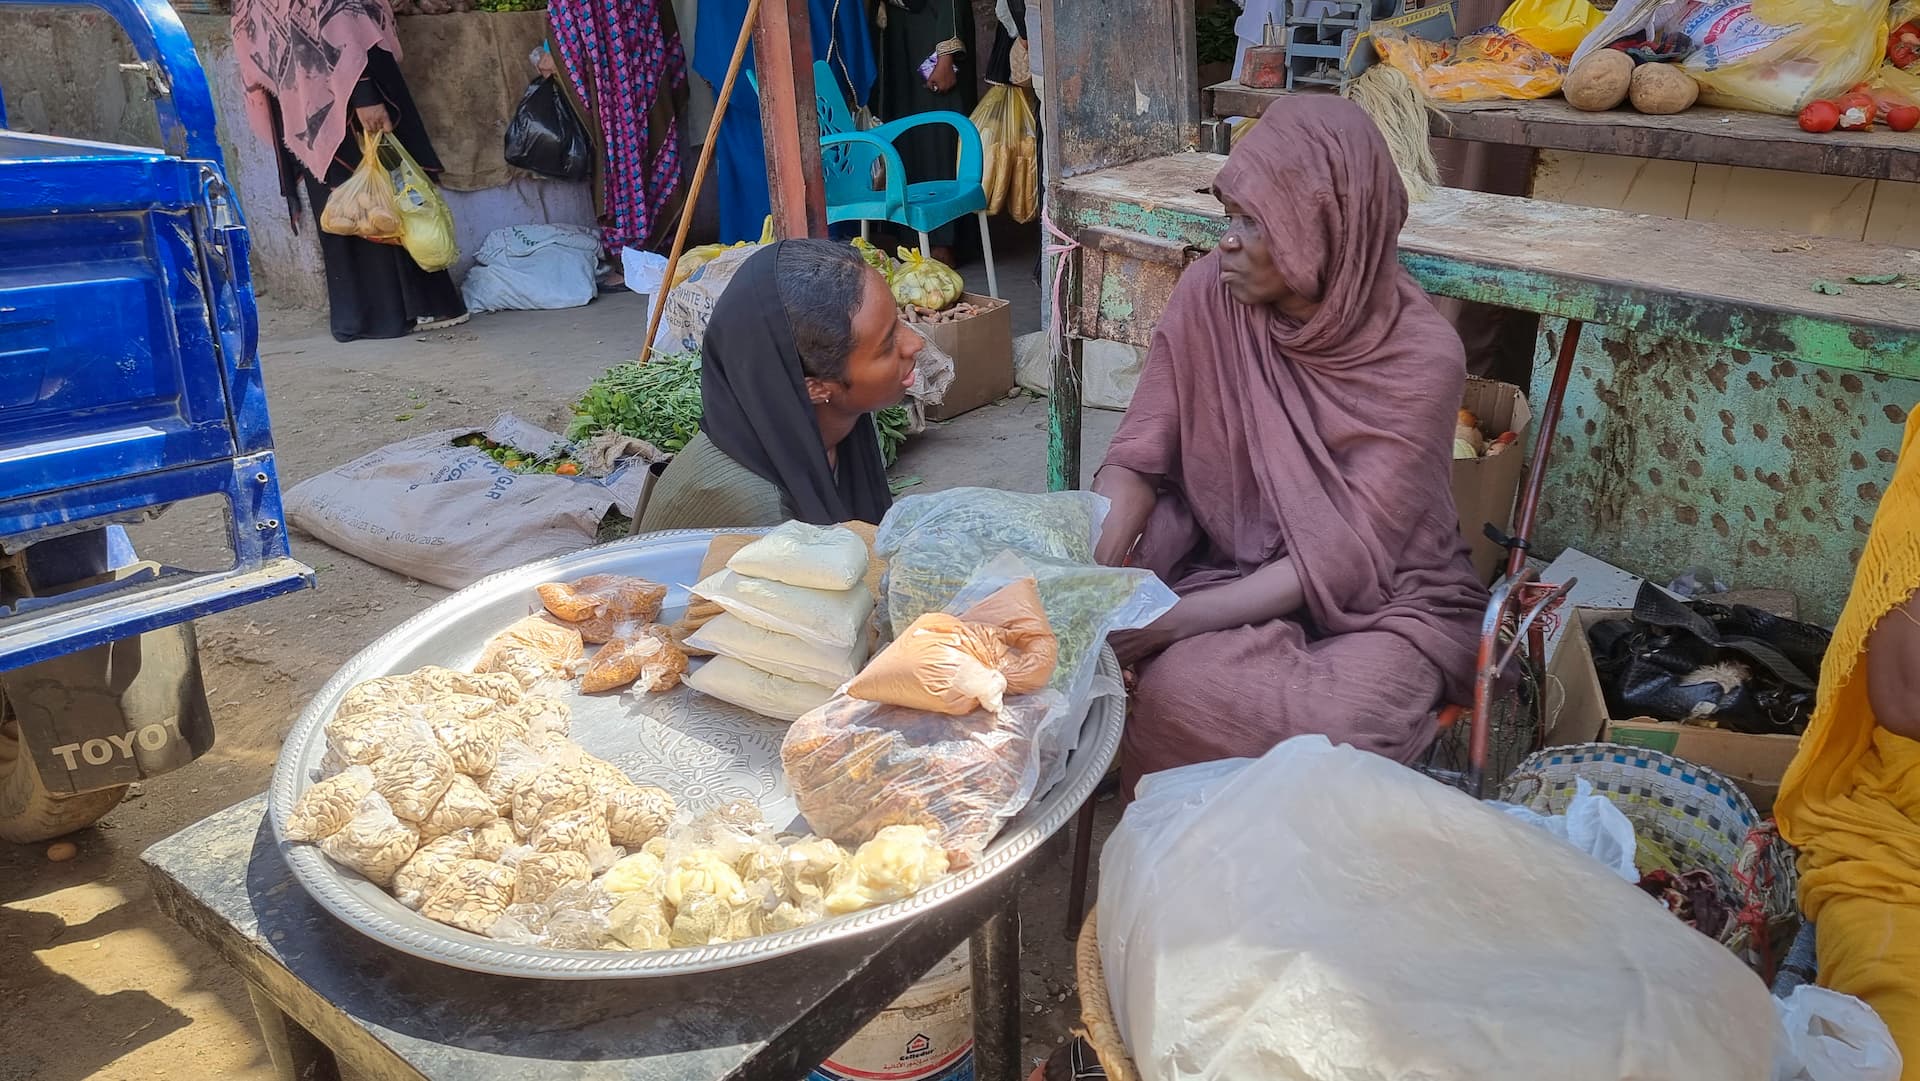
1776	56
1490	66
363	205
1556	26
1009	147
426	225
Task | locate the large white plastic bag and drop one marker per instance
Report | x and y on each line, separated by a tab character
1827	1036
934	543
1323	914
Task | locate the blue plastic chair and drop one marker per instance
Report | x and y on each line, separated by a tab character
847	155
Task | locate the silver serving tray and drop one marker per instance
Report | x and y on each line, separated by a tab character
702	751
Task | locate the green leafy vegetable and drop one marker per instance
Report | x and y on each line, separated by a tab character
1874	279
1214	38
1825	288
659	401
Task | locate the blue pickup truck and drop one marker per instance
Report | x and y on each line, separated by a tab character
129	381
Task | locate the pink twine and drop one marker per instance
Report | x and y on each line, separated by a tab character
1058	250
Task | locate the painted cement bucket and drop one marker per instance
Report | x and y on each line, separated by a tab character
926	1035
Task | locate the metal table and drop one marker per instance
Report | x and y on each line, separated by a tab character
327	997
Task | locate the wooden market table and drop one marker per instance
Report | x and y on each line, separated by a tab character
328	997
1703	135
1137	225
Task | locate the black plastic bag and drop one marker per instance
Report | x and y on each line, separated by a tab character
545	136
1701	663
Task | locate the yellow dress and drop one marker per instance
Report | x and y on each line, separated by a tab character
1851	800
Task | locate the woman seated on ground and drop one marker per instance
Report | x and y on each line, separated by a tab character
1851	800
802	348
1285	464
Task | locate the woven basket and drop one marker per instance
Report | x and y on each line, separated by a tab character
1098	1027
1696	816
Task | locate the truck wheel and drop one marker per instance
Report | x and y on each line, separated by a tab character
28	812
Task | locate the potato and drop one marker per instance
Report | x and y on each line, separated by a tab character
1662	89
1600	82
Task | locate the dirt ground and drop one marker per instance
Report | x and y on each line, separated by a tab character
94	981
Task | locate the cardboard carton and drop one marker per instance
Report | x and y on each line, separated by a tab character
1754	762
1484	488
982	350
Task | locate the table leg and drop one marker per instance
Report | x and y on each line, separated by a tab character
996	996
297	1055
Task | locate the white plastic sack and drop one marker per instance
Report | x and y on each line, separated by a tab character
450	515
727	635
1828	1036
1109	371
809	556
1592	824
837	618
532	268
1324	914
741	684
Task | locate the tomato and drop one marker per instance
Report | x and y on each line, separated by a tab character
567	469
1903	117
1857	112
1820	116
1903	45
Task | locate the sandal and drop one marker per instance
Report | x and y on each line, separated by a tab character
428	322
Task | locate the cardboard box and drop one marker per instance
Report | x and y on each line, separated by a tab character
1754	762
1484	488
982	350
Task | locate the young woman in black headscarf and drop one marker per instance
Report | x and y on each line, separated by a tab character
788	390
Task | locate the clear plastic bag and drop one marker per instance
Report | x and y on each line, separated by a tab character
646	657
430	863
1771	56
364	205
1332	910
470	895
571	918
539	874
899	862
958	664
413	775
813	557
374	841
934	543
328	805
858	767
600	603
535	650
464	805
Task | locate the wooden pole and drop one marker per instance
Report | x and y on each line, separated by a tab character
700	175
783	63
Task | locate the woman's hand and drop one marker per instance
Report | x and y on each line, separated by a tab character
374	118
944	77
1132	497
1132	647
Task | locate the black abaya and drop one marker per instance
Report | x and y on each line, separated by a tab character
911	35
377	290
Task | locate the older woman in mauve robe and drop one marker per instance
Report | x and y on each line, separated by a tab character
1285	467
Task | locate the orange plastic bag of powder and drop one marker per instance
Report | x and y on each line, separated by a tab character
956	665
